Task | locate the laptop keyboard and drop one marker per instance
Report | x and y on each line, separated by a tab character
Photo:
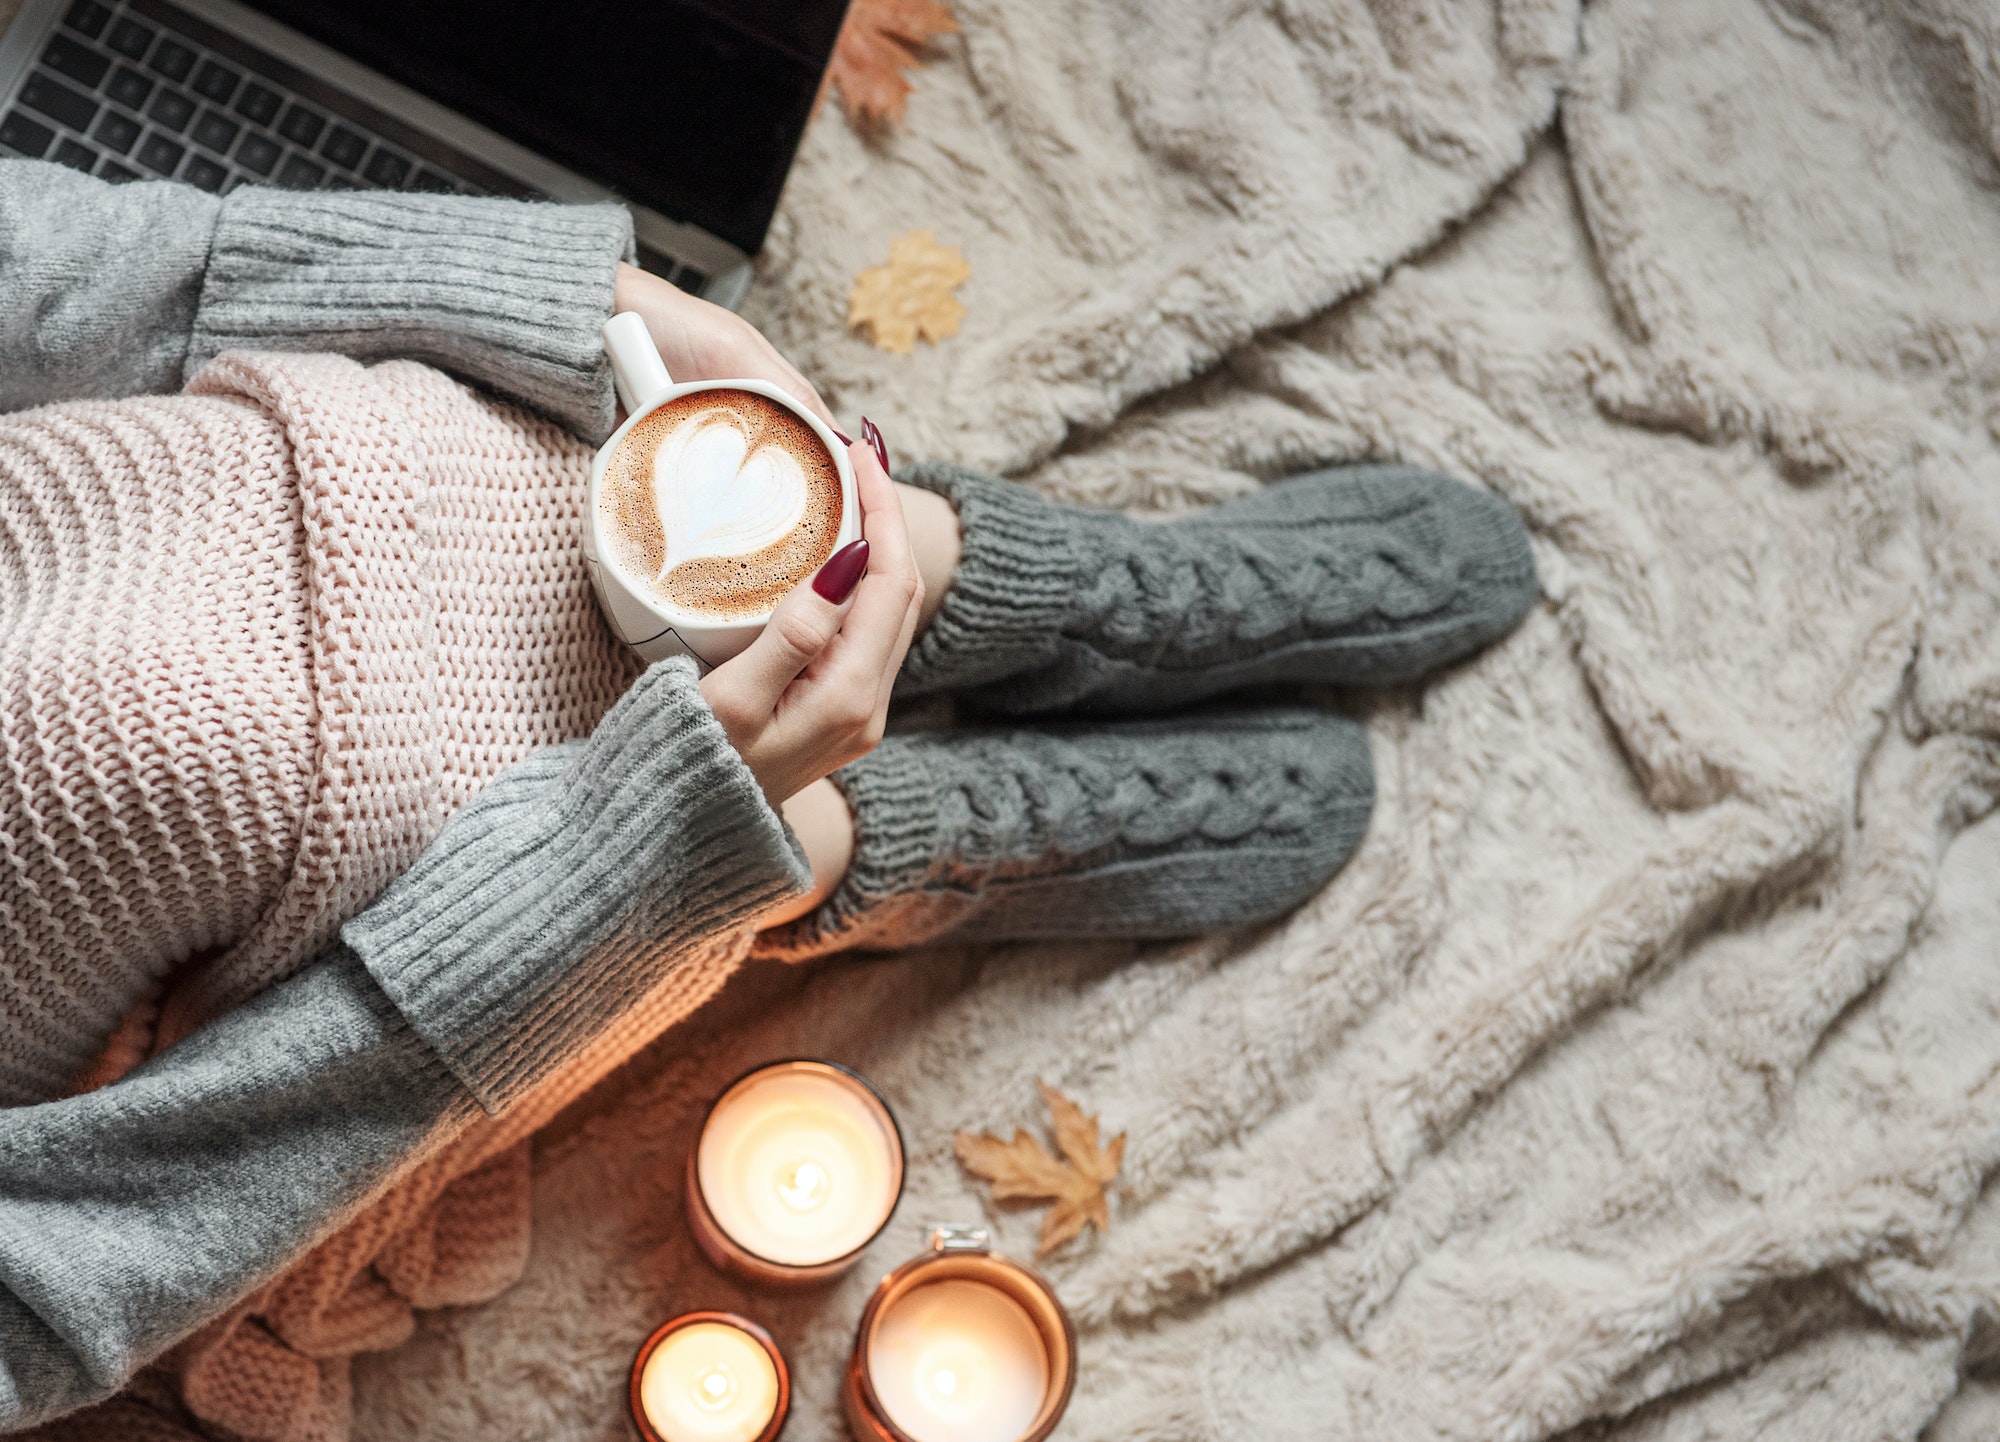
120	96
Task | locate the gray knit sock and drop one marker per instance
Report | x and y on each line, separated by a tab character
1142	829
1360	575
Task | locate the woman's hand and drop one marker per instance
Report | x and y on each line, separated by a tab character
704	342
812	691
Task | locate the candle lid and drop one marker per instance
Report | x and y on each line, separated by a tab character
634	1391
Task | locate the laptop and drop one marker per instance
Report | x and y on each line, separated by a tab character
688	111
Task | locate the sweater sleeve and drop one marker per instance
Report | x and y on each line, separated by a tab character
131	1215
111	290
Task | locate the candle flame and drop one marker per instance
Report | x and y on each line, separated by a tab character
713	1388
806	1187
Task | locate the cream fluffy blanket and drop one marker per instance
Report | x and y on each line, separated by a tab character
1641	1075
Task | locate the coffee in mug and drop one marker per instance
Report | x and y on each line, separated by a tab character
720	502
708	505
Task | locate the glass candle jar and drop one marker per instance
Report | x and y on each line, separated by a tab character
709	1377
796	1170
960	1345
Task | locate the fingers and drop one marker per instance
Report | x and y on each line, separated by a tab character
804	624
890	596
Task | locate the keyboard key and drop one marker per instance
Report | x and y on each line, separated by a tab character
129	88
171	109
215	81
30	137
112	170
215	132
301	174
130	39
301	126
172	60
344	148
430	180
88	17
387	169
75	155
116	131
79	62
690	280
204	172
258	153
258	105
57	101
161	154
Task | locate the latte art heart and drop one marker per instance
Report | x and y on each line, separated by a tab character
718	503
723	491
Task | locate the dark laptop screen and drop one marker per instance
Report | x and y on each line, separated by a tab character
693	109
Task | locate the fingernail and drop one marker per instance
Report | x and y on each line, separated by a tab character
843	438
872	434
842	572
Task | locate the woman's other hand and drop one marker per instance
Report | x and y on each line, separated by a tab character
703	342
812	691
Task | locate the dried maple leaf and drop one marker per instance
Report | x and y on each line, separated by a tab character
909	296
1075	1182
878	41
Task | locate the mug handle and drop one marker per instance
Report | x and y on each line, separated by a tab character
636	368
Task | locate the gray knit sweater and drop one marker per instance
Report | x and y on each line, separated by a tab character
115	290
131	1215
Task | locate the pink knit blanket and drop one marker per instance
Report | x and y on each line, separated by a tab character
259	641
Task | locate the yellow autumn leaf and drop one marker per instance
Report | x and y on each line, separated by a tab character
909	297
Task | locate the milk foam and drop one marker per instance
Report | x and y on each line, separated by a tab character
723	490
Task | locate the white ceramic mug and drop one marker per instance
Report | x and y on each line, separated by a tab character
650	624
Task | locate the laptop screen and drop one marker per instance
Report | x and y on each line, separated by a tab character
692	108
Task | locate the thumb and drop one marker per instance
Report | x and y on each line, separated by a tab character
800	629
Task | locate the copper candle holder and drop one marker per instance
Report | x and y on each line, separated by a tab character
846	1091
961	1254
635	1399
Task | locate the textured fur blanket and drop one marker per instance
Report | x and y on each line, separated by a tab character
1641	1075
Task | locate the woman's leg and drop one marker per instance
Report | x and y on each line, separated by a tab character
1358	575
1136	829
934	540
820	819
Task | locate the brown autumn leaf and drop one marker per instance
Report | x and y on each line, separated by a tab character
1074	1182
910	296
878	41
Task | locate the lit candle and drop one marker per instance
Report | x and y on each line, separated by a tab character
960	1346
798	1167
709	1377
959	1361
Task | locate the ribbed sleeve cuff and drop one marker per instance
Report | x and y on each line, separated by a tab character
558	897
509	294
897	829
1018	572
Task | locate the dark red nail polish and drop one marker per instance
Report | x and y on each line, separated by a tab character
843	438
872	434
842	572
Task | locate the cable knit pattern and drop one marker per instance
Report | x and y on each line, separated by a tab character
259	641
1357	575
1145	829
